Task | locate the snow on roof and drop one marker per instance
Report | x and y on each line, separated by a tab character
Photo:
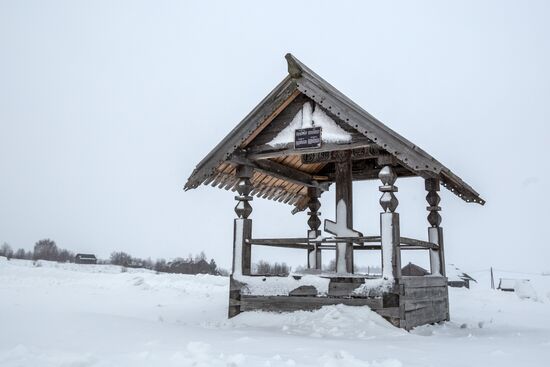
86	256
303	81
454	274
511	283
309	116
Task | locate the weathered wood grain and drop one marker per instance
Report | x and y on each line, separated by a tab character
424	312
279	171
344	193
267	109
266	134
418	243
234	297
343	287
406	152
297	303
425	281
423	293
300	246
267	151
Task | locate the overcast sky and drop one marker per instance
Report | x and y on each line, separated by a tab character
107	106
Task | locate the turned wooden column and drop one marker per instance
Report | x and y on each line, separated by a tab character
389	225
242	229
435	232
344	209
314	255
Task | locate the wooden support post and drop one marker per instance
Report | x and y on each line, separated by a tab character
242	225
344	208
435	232
314	255
389	225
242	231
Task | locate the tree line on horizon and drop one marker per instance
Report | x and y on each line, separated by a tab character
197	264
46	249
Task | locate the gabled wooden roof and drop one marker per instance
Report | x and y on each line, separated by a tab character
286	177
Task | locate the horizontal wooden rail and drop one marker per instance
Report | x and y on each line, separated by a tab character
410	247
359	240
302	246
355	247
304	240
327	243
272	241
367	247
417	243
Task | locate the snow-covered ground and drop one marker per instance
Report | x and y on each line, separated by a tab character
78	315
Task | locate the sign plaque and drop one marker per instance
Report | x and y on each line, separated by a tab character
307	138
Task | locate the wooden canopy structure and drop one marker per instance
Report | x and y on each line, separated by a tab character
302	138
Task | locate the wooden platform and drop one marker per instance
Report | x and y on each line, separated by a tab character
412	301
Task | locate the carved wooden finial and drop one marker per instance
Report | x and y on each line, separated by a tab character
314	205
314	254
294	69
243	207
433	199
388	201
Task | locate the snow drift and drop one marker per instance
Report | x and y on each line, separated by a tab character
81	315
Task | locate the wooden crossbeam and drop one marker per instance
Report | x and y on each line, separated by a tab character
369	150
372	174
267	151
280	171
418	243
304	240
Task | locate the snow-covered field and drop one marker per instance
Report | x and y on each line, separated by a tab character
78	315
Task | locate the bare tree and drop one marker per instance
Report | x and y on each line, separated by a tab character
121	258
148	263
331	266
265	268
199	257
213	267
6	250
45	249
160	265
20	254
65	256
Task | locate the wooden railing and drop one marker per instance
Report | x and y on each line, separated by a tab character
417	244
329	243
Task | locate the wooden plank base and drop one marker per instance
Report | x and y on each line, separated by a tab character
412	301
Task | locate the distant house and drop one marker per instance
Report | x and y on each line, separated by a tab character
457	278
413	270
186	266
510	284
85	259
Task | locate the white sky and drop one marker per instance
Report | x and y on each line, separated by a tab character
106	107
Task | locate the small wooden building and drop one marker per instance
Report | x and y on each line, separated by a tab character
456	278
85	259
304	137
413	270
510	284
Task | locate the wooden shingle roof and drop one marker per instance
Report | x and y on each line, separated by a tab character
271	180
